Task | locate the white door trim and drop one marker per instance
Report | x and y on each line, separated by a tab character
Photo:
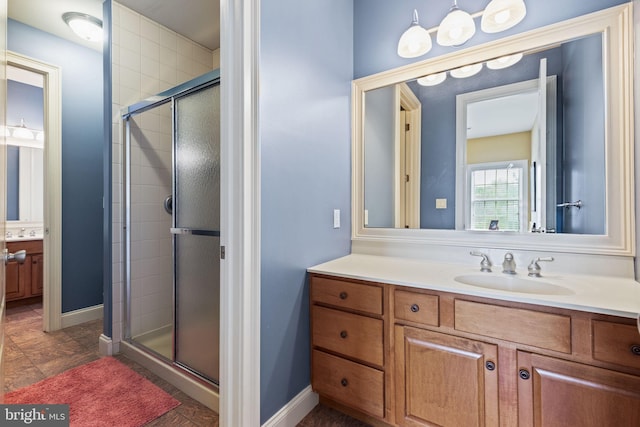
52	298
240	215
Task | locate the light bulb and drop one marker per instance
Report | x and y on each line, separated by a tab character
456	28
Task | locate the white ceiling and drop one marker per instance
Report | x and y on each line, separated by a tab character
501	116
200	21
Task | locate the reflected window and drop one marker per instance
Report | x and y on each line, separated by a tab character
497	196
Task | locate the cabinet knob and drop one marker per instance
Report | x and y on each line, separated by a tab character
344	382
343	295
490	365
635	349
415	308
524	374
343	334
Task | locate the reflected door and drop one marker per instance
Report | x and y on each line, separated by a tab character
196	230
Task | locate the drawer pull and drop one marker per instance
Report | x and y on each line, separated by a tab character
344	382
415	308
490	365
635	349
524	374
343	295
343	334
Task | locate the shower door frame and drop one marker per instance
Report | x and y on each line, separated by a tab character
207	80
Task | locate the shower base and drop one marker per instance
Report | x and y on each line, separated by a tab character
159	341
205	393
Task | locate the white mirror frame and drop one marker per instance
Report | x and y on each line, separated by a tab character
615	25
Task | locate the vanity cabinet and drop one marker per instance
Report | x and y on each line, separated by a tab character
25	280
347	334
555	392
437	372
417	357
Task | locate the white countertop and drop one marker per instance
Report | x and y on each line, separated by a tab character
599	294
24	238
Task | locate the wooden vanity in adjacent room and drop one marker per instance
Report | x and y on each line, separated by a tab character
412	356
25	281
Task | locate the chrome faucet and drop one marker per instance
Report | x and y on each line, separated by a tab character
21	234
534	267
485	264
509	264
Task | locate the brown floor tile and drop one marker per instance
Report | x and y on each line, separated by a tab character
323	416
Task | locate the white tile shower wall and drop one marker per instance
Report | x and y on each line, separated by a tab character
147	59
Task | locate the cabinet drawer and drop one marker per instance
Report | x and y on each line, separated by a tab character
352	335
355	385
416	307
544	330
616	343
354	296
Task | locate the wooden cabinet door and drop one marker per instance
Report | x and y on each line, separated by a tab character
15	281
443	380
553	392
37	274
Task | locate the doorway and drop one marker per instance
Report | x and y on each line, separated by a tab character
37	219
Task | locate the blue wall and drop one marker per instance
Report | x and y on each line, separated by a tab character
306	64
82	142
583	92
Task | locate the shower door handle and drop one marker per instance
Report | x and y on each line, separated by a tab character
195	232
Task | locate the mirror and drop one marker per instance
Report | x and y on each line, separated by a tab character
25	146
512	150
517	132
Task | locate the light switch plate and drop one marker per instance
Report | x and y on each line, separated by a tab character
336	218
441	203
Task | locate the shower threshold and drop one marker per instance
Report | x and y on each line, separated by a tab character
203	391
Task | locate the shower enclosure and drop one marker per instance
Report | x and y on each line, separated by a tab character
172	235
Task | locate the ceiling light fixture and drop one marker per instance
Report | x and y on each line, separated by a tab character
85	26
459	26
416	41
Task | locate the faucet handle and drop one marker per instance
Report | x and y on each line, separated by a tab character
485	264
534	267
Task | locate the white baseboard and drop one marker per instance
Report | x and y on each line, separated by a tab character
294	411
83	315
105	345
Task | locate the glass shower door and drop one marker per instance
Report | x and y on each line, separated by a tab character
196	231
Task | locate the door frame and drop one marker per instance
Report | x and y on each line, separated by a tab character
52	221
240	214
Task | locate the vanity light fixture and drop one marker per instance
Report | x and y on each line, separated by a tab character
466	71
458	26
504	61
85	26
22	131
432	79
501	15
414	42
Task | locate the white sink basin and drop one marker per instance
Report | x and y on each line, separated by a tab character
513	284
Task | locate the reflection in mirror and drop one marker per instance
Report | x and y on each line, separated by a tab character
512	147
25	146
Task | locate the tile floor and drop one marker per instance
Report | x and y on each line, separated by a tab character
32	355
